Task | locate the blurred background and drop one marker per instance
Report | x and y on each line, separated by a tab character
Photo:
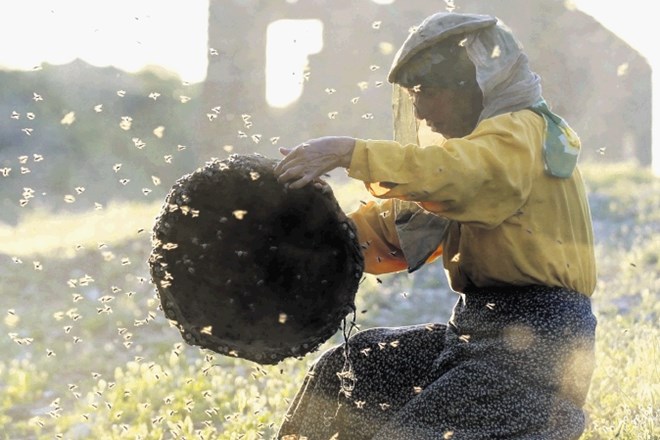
104	104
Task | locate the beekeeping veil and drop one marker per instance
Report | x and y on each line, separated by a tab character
507	84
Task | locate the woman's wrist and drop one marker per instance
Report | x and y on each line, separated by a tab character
346	148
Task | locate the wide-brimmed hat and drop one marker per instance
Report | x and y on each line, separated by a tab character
247	268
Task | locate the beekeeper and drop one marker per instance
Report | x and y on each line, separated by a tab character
501	201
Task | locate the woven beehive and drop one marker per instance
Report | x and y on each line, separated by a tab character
247	268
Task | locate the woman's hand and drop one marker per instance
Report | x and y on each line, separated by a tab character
310	160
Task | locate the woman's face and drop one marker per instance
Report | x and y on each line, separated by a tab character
450	112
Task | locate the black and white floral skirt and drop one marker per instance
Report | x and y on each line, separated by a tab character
511	363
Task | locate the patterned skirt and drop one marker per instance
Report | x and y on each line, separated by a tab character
511	363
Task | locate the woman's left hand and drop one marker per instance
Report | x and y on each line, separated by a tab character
310	160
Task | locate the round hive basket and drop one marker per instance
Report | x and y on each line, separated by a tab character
247	268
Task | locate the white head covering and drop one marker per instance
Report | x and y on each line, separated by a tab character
503	73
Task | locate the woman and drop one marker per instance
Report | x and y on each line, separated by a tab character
502	202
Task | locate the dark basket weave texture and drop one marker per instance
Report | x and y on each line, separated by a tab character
247	268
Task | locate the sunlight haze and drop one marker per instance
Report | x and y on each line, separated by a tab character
126	34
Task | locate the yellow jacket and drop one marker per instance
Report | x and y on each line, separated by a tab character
514	223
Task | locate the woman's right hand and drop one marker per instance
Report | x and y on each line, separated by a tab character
310	160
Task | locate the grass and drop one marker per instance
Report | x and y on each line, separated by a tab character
118	222
88	354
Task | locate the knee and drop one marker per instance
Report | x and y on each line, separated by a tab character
365	338
332	357
335	357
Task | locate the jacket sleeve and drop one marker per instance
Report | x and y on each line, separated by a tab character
378	237
481	179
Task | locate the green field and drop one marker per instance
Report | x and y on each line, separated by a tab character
87	354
